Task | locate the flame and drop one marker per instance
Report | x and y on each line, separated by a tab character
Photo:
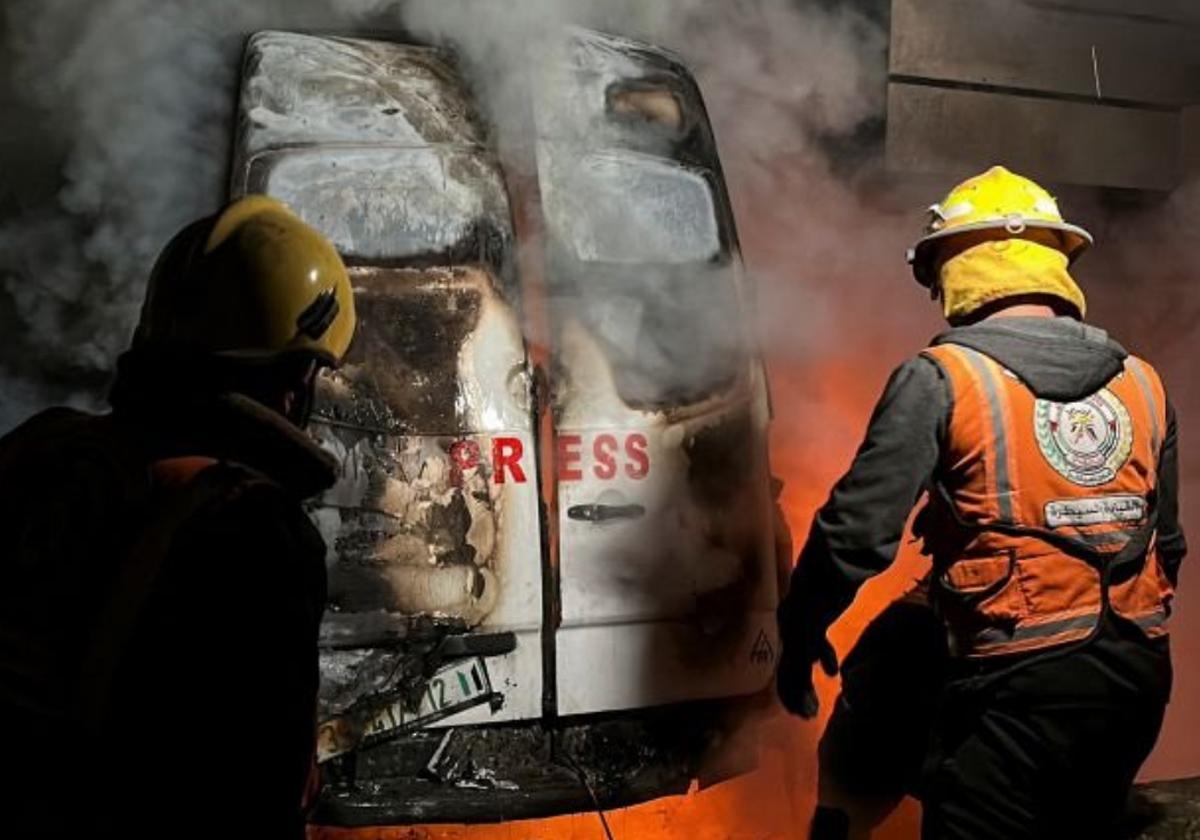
776	801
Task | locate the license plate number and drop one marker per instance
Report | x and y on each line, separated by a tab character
453	688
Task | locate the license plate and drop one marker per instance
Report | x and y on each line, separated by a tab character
454	688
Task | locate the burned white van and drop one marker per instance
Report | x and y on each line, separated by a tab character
552	568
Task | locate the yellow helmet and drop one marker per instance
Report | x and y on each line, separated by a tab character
998	204
254	282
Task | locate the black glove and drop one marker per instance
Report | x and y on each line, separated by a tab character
793	680
804	615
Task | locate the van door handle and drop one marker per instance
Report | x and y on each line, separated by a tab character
605	513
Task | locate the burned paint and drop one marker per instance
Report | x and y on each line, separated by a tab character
414	521
722	460
421	521
402	371
322	90
403	536
725	479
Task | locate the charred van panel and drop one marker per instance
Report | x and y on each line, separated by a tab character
428	344
721	459
435	607
402	371
432	513
435	509
410	532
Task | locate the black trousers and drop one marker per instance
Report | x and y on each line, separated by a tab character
1044	747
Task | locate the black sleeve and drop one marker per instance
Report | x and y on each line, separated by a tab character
229	662
857	532
1172	546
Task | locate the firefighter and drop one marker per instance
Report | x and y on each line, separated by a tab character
1048	455
162	586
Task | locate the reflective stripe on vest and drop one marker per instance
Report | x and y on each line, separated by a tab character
1143	381
998	409
1046	630
1063	489
1065	629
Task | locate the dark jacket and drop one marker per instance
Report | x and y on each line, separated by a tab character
208	718
857	532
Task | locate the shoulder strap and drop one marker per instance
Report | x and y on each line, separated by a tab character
183	486
984	374
1146	379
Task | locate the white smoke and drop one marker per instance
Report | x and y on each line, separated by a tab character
141	95
785	82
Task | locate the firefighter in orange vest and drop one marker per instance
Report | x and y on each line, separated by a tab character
161	586
1048	454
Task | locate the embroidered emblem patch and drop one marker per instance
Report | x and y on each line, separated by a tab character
1086	442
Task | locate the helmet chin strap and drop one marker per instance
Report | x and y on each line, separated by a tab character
303	397
300	411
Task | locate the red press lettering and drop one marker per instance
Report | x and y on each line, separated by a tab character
638	466
569	457
506	455
603	449
465	455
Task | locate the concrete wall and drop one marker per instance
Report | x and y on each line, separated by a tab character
1078	93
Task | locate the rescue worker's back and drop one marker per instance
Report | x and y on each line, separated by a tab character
207	677
1049	457
162	588
1045	505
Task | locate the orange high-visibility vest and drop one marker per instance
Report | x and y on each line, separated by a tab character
1043	516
